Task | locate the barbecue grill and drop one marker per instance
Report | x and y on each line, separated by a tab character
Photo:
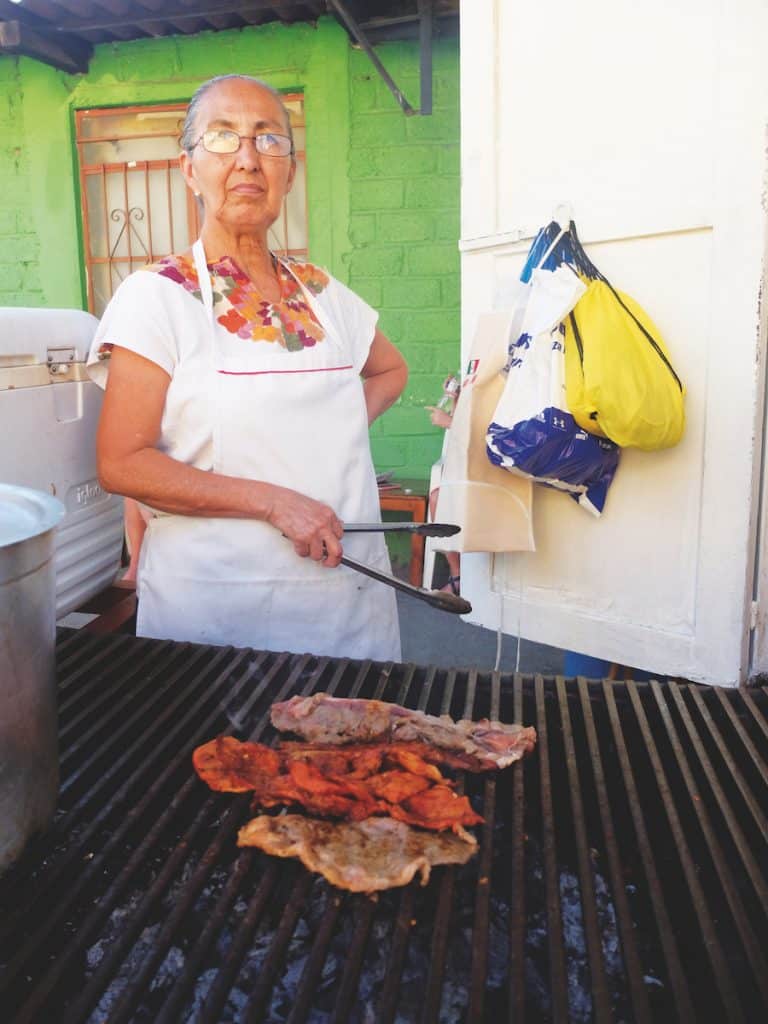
622	873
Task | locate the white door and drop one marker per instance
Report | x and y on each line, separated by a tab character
650	121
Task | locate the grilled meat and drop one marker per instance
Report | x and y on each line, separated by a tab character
353	785
365	856
230	766
322	719
367	756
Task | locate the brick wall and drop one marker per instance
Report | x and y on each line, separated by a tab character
384	188
404	228
19	244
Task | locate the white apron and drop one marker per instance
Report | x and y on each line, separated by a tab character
301	424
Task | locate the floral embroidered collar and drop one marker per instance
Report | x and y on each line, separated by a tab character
243	311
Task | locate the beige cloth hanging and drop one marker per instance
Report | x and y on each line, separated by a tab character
492	506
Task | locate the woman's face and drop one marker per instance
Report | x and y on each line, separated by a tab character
243	191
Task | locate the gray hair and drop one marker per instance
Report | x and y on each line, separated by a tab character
188	136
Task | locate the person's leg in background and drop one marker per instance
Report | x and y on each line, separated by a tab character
452	557
575	664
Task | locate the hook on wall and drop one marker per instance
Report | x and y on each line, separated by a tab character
563	214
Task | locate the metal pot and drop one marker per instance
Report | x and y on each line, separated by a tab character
29	757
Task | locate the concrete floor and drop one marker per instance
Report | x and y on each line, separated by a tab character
432	637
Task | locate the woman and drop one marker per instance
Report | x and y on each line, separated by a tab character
236	411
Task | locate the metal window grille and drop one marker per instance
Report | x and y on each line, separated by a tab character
135	205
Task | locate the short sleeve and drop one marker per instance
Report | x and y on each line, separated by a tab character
356	319
137	318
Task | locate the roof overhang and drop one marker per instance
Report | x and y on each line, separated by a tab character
64	34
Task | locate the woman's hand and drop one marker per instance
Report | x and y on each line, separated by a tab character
439	417
314	528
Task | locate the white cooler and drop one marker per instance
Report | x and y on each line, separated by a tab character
49	410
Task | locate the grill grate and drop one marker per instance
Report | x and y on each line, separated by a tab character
622	873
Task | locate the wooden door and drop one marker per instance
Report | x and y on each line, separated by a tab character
649	121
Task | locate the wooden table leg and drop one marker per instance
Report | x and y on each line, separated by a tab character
416	506
416	568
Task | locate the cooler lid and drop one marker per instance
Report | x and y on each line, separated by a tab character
35	337
26	513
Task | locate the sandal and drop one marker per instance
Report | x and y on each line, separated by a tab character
452	585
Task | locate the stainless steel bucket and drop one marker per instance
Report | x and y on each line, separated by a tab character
29	759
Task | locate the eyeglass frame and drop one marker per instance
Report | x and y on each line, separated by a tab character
252	138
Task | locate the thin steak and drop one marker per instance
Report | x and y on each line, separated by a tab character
321	719
364	856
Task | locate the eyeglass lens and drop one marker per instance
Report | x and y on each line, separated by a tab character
226	141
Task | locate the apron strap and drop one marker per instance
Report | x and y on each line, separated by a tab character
206	292
203	277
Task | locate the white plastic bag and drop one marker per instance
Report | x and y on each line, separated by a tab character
532	433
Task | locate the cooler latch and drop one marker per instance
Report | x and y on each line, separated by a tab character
63	364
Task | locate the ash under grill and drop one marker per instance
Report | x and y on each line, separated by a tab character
622	874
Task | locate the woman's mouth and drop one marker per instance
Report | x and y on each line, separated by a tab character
248	190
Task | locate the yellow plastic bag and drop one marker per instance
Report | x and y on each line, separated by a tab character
619	379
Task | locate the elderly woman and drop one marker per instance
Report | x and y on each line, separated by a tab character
240	389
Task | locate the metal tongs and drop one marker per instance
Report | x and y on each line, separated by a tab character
441	599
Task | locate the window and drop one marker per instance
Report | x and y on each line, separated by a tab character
136	207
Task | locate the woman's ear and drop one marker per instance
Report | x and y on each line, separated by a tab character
187	170
291	175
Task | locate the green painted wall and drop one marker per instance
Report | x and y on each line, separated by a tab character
383	188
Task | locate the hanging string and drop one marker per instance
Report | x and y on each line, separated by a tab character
500	626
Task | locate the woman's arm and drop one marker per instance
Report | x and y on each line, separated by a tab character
130	464
385	375
135	528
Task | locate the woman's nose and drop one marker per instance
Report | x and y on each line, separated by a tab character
247	155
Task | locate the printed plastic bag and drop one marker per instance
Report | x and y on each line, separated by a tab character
532	433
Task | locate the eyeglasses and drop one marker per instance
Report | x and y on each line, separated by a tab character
224	140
